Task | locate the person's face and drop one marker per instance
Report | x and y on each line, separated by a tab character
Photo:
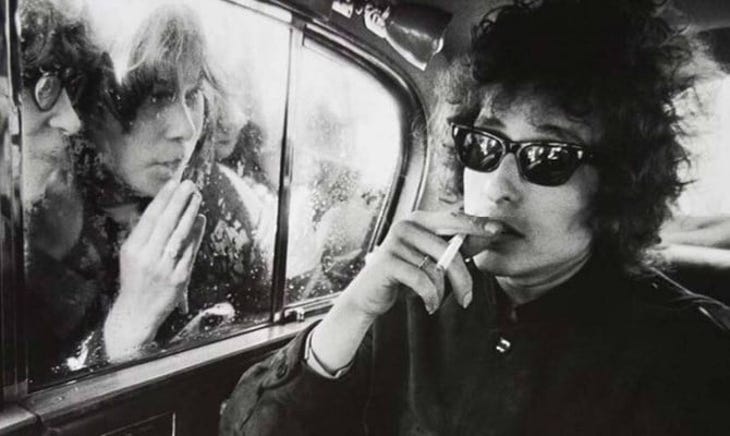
163	135
544	228
44	142
225	135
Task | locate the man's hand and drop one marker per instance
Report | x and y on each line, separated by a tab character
155	266
407	256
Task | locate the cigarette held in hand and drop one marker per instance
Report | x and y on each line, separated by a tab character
450	252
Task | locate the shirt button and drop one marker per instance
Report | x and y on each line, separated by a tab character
503	346
281	370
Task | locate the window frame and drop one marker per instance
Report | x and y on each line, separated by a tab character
82	390
12	302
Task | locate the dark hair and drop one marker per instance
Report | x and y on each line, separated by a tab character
615	62
169	41
51	40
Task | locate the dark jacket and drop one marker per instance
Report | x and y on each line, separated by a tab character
601	354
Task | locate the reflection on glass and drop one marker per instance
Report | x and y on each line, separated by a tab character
148	263
348	131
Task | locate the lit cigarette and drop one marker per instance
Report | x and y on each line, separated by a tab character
451	250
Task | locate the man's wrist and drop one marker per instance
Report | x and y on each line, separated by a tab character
314	363
123	336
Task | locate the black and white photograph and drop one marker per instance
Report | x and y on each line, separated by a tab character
365	217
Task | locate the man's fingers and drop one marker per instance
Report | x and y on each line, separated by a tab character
146	224
417	280
446	223
168	219
461	281
184	267
183	229
192	242
412	242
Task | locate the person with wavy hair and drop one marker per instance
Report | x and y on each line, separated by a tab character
167	248
564	136
626	76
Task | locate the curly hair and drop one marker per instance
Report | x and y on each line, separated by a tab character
615	62
52	41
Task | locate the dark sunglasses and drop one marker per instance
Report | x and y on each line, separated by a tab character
49	85
546	163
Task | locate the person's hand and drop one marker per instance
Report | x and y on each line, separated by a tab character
408	256
155	264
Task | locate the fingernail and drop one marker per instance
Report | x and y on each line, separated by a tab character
467	300
429	308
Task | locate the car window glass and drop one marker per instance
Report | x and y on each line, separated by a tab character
347	134
185	89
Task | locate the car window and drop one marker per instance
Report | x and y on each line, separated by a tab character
706	193
347	133
123	265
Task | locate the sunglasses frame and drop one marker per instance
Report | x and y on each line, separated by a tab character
515	147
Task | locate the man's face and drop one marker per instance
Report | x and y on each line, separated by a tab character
546	227
44	143
162	137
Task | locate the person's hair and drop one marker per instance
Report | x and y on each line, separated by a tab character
169	43
615	62
51	40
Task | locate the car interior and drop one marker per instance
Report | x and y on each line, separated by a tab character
320	139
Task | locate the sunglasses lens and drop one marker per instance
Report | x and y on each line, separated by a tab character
47	90
548	165
477	151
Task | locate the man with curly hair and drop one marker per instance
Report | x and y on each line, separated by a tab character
564	135
59	61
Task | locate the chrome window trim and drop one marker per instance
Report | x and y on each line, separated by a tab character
13	369
281	241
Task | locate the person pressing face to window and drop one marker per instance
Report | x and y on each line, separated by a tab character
56	52
151	184
58	59
551	319
144	152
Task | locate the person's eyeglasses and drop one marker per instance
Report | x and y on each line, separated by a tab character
546	163
48	87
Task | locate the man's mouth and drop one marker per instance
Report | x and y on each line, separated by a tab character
170	164
495	227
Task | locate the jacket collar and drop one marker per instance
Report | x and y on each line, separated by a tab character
598	291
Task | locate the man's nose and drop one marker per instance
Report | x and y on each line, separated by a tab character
503	184
64	116
180	125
